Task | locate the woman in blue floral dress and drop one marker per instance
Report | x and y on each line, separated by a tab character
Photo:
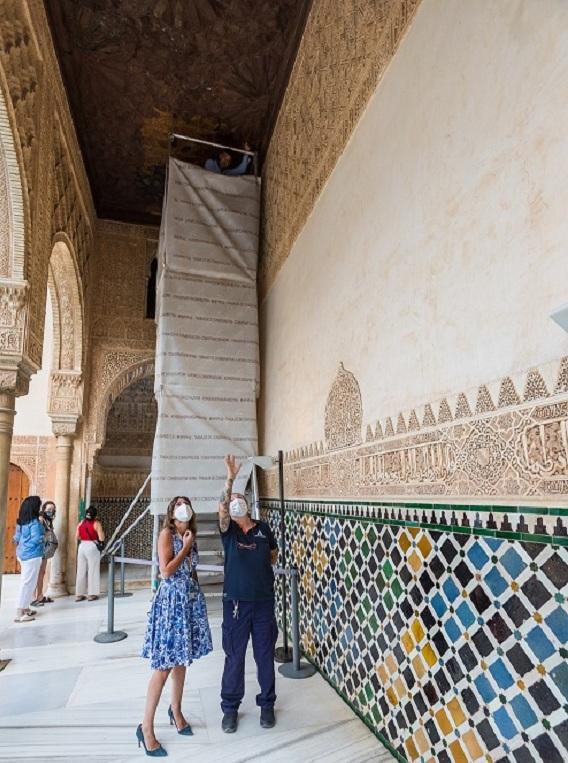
178	629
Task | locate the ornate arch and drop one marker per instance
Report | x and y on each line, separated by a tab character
12	209
139	370
66	379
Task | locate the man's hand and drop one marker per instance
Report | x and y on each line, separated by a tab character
232	467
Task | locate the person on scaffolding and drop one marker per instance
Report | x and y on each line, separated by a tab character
221	163
248	604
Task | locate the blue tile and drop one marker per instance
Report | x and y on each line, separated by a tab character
504	723
560	677
439	605
523	711
496	582
465	615
452	629
501	675
513	563
478	556
484	688
539	644
494	543
451	590
557	621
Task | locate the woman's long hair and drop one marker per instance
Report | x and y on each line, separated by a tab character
29	510
169	518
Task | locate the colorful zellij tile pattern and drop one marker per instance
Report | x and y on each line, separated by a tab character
451	646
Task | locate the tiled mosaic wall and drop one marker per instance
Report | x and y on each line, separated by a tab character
448	639
138	543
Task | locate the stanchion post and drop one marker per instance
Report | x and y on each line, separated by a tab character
296	669
110	635
123	594
283	653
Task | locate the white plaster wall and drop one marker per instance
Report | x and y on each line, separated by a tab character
31	410
439	246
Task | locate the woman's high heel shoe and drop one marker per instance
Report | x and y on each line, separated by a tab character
186	731
159	752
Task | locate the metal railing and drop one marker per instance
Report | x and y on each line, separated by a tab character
290	669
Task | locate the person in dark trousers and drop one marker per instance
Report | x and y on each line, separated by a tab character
248	604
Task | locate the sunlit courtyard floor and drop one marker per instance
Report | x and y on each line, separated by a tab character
64	697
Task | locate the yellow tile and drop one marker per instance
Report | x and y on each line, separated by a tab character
418	631
541	669
514	586
425	546
521	685
412	751
470	740
407	642
457	752
418	666
404	542
443	722
391	664
456	711
383	675
413	531
429	655
538	617
400	687
415	561
421	742
392	696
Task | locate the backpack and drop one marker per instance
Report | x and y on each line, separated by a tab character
50	544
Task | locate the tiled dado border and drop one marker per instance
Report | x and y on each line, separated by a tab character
534	524
506	440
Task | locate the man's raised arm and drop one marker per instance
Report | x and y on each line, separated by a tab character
232	471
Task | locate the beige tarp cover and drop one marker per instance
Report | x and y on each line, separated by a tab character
207	370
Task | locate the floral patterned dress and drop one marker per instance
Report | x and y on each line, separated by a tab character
178	629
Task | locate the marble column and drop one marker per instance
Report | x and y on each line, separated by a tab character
63	458
7	413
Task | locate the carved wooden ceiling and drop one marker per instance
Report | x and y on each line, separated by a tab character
136	70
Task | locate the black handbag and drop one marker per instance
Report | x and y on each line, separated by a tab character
98	543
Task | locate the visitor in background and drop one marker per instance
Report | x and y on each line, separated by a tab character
46	517
91	535
178	628
29	538
248	604
221	164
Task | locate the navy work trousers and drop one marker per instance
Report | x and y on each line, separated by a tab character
256	619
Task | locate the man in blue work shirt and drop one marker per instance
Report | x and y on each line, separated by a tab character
221	164
248	604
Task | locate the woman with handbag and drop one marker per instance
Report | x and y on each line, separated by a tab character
178	629
46	517
90	535
29	552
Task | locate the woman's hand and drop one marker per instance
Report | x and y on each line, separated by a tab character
232	467
187	540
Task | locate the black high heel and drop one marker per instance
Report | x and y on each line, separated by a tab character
159	752
186	731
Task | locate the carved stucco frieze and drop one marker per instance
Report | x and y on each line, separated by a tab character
65	394
13	308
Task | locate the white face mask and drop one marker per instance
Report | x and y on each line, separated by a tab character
238	508
183	513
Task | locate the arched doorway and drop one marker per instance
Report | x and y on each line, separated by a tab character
18	489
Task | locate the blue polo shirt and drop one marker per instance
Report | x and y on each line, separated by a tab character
248	569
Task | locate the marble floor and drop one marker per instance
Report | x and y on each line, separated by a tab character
65	697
